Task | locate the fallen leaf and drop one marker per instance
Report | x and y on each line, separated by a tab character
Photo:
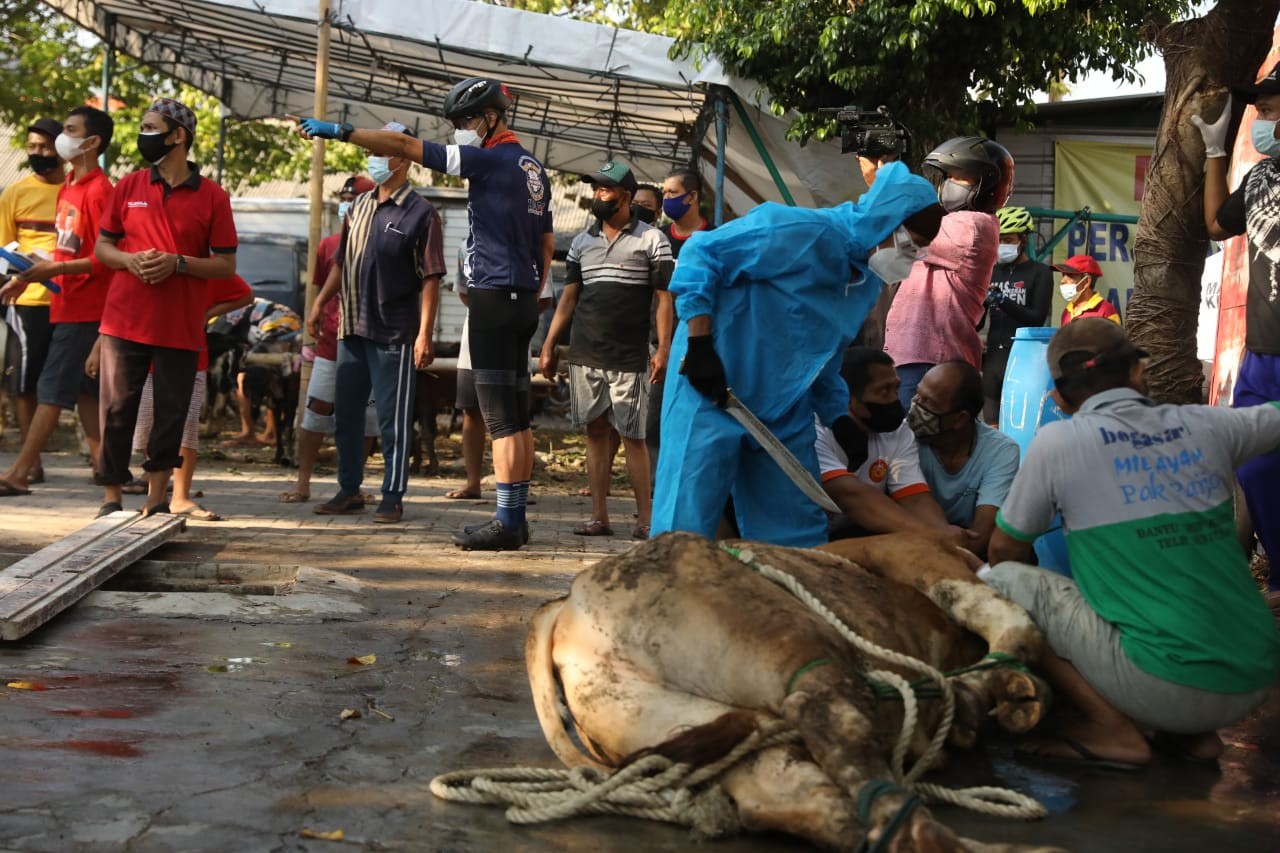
335	835
26	685
349	714
363	660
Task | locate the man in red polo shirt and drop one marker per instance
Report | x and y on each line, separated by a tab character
165	232
1080	274
75	307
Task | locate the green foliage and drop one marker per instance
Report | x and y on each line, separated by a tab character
49	66
924	59
645	15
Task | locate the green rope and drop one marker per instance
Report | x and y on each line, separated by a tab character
813	664
867	797
925	689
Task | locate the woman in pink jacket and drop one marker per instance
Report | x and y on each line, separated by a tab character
935	314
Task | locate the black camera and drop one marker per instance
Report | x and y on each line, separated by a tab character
871	134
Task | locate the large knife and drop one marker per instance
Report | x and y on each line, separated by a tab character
790	465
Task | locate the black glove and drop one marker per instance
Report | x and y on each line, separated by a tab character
852	440
994	301
705	370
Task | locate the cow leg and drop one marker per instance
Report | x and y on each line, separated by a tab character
945	575
831	712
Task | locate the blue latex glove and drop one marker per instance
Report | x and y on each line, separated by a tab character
325	129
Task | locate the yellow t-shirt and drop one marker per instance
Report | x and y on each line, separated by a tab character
27	212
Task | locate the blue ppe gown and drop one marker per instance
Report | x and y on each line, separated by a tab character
787	289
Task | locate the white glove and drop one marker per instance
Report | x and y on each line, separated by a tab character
1215	135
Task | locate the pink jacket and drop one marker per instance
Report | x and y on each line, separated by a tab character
935	314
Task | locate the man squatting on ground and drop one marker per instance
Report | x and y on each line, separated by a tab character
1162	629
803	277
616	269
388	272
1254	210
510	248
165	232
76	307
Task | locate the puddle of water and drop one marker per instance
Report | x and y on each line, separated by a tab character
234	665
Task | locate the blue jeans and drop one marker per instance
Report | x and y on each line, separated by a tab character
910	375
1258	383
385	372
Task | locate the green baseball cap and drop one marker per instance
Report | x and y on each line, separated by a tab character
615	173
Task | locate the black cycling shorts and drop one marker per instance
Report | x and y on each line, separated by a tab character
502	323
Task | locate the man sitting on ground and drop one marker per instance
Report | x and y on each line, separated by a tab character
1162	629
884	490
968	465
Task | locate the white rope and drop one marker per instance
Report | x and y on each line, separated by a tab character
654	788
1001	802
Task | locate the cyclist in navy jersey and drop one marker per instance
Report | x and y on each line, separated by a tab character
508	250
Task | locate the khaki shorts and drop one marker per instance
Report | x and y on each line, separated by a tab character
624	396
1078	634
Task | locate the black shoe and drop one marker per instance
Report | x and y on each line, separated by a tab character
108	508
491	536
472	528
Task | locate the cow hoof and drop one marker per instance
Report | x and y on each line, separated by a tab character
969	716
1021	702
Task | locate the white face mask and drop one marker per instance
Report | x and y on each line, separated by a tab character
1068	291
894	264
466	138
1008	253
68	147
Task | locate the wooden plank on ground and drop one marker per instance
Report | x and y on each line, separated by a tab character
39	587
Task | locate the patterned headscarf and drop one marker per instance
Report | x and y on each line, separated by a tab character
175	111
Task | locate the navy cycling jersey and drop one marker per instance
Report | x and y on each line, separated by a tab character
508	211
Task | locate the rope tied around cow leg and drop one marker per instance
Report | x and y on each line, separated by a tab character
1000	802
653	787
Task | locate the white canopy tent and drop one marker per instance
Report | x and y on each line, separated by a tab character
584	91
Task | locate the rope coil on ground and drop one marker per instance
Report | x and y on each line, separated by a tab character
655	788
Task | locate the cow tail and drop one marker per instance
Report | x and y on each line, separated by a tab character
542	681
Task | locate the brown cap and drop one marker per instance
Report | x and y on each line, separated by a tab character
1088	343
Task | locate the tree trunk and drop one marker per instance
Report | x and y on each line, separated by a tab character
1202	58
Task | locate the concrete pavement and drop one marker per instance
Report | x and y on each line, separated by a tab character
196	722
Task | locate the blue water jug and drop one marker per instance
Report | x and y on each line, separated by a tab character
1025	405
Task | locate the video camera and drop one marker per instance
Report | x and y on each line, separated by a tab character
871	134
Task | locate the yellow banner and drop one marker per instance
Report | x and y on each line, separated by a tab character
1106	177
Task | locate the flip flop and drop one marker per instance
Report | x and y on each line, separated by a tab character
462	495
158	509
8	490
1085	757
108	508
593	528
199	513
640	531
294	497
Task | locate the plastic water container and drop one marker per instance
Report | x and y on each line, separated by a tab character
1026	405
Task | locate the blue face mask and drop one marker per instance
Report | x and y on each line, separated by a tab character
676	207
1264	138
344	207
379	169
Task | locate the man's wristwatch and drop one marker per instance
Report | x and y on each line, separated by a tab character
181	267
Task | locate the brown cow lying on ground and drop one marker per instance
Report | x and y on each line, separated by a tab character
678	648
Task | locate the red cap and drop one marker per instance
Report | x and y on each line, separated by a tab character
1080	265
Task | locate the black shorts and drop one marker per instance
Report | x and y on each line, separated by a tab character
466	397
63	379
501	324
30	325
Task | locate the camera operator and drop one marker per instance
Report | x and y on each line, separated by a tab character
935	314
1020	295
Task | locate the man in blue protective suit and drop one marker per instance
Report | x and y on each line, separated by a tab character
767	306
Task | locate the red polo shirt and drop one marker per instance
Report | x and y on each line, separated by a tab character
192	219
80	207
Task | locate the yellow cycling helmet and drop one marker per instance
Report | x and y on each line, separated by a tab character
1014	220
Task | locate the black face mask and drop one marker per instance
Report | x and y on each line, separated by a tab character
644	214
885	417
42	164
153	148
604	209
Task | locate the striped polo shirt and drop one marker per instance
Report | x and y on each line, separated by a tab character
618	278
387	249
1145	492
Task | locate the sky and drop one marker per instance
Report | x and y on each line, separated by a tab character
1100	85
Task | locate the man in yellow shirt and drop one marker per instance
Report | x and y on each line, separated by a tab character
27	212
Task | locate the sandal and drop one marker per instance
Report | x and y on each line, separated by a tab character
462	495
195	512
593	528
640	531
294	497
